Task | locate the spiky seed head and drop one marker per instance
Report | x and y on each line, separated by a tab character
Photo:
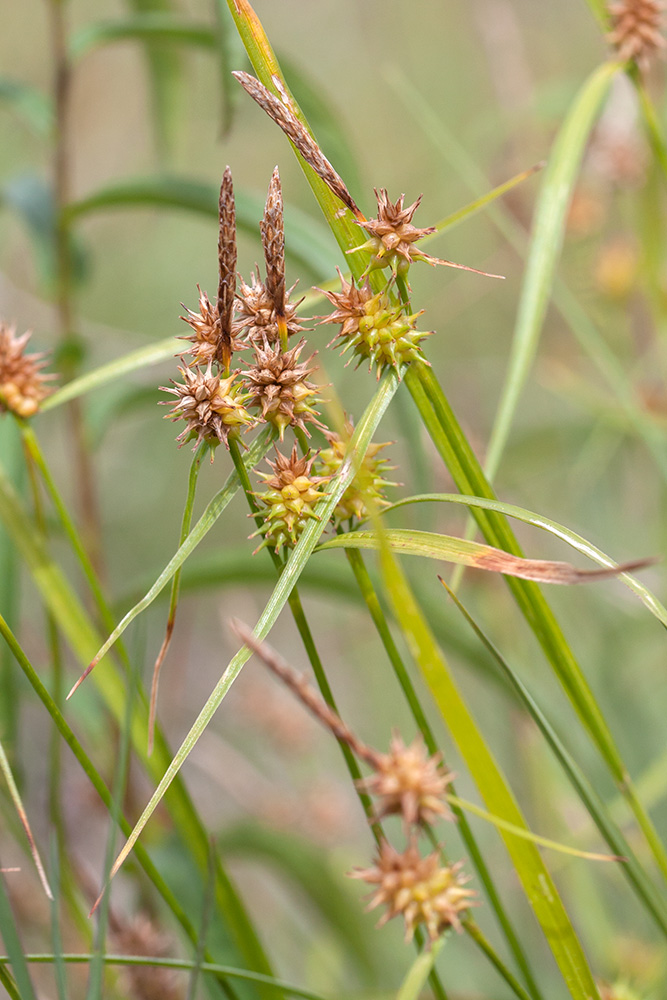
257	319
368	484
279	386
212	407
410	783
283	114
208	344
23	386
421	890
146	982
373	328
226	268
290	500
637	30
273	240
393	237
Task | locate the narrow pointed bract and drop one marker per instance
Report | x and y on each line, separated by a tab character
226	268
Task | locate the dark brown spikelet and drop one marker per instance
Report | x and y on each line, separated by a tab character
393	237
256	316
226	268
22	384
636	30
421	890
211	406
281	113
273	240
279	386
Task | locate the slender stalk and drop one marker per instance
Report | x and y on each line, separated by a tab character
369	594
469	477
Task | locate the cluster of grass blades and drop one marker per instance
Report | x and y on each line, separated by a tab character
411	628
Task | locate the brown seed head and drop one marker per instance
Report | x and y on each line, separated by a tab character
257	319
290	499
226	267
273	240
280	386
284	116
369	482
211	406
636	30
409	783
208	343
418	889
22	384
142	937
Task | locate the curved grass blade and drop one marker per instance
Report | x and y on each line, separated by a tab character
28	103
480	203
553	527
15	954
23	816
548	233
419	971
469	553
213	510
150	26
307	240
491	783
298	558
641	884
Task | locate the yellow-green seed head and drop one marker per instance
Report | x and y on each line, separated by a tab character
290	500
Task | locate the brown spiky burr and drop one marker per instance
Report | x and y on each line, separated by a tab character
23	385
212	407
637	27
279	386
290	500
393	237
256	317
281	112
207	342
147	982
421	890
226	269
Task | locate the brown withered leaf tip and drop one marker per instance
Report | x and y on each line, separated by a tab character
421	890
23	385
282	114
273	241
226	267
636	30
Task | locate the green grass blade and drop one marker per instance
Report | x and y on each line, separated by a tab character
553	527
298	558
533	874
15	955
23	816
213	510
28	103
548	233
306	240
473	207
419	971
151	26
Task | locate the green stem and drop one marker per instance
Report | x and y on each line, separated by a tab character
475	933
369	594
469	477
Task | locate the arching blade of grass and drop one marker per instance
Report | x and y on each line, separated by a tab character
469	477
419	971
643	886
298	558
533	874
134	361
553	527
150	26
548	232
28	103
23	816
213	510
306	240
468	553
461	214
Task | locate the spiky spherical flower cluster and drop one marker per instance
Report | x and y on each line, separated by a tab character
368	484
290	500
409	783
256	315
421	890
636	30
206	343
146	982
22	384
212	407
279	386
373	328
392	235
